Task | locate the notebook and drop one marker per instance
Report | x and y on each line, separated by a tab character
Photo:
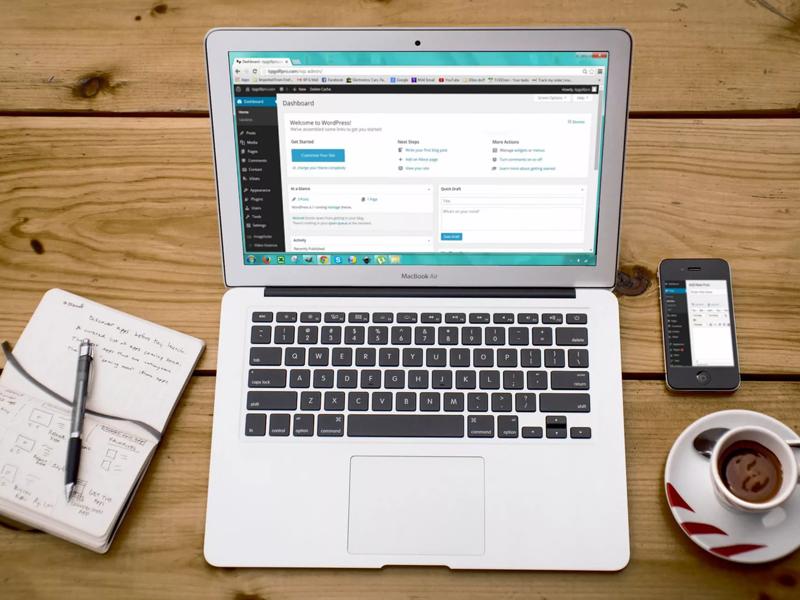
138	373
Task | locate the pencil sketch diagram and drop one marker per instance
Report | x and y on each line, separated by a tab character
77	491
24	443
40	417
7	473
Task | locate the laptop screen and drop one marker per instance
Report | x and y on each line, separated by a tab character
419	158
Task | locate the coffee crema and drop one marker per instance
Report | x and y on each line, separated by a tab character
751	471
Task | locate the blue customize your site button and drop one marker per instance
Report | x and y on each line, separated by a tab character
452	237
312	155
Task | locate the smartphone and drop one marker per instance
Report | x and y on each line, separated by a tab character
697	325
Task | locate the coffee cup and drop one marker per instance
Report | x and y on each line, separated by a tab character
753	469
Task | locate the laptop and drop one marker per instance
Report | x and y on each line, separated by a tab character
419	353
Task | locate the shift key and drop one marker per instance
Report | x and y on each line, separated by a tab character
564	403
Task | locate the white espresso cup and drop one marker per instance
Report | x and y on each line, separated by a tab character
777	445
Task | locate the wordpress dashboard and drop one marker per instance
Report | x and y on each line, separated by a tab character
445	163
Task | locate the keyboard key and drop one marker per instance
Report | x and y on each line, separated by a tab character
429	401
431	317
405	401
454	402
527	318
334	317
366	357
503	318
479	318
556	421
569	380
262	317
394	379
459	357
389	357
286	317
381	401
266	357
580	433
418	380
513	380
295	357
542	336
300	378
576	319
572	336
324	378
556	427
303	425
310	400
424	335
495	336
530	358
441	379
308	334
279	425
471	336
435	357
551	318
426	426
532	432
518	336
507	426
310	317
483	357
465	380
370	379
501	402
401	336
489	380
455	318
406	317
330	426
554	358
578	358
525	402
537	380
564	403
358	317
268	378
354	334
318	357
382	317
507	357
260	334
448	336
331	334
346	378
412	357
284	334
378	335
478	402
334	400
358	401
342	357
557	433
255	424
480	426
283	400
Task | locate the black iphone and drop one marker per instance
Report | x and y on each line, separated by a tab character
697	325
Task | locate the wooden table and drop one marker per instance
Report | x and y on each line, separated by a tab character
106	190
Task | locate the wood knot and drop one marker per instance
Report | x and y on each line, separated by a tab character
158	9
634	284
37	246
787	580
94	84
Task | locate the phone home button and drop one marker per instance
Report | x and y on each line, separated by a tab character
703	377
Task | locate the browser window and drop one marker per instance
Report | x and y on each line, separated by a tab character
423	158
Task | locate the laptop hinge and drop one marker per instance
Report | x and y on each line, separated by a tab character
420	292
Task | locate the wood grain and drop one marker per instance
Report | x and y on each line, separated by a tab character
159	550
123	210
133	56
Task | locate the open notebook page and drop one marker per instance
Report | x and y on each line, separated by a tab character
139	368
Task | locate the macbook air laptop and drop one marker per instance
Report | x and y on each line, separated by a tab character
419	354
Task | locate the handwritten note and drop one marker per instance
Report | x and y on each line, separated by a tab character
139	367
33	444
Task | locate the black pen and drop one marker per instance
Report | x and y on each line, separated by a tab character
78	410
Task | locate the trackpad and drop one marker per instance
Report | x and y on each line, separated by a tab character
416	505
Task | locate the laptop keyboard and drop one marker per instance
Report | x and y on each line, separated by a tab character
417	375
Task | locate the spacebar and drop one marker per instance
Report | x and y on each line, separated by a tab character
427	426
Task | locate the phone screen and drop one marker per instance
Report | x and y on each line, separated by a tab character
698	323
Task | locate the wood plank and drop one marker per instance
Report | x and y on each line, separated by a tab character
123	210
131	56
159	549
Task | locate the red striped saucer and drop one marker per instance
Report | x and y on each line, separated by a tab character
724	532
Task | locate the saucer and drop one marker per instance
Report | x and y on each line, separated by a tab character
732	535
